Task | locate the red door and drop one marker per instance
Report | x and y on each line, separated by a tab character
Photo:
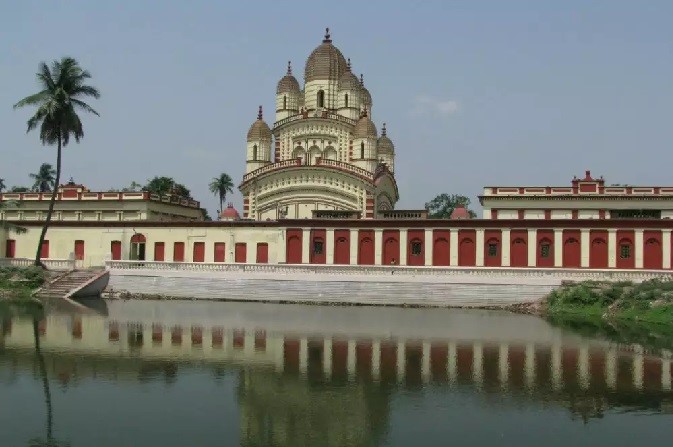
293	248
625	250
159	251
653	256
199	252
598	254
318	250
572	250
220	252
342	247
416	247
518	251
545	248
79	250
366	247
44	250
116	250
10	249
240	252
441	254
467	249
262	253
179	252
391	247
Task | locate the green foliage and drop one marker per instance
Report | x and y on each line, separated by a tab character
443	205
44	178
19	189
2	184
166	185
220	186
19	283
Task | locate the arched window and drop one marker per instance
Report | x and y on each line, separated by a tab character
254	152
346	100
362	150
284	101
321	98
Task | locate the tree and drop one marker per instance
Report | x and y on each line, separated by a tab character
133	187
2	184
4	225
44	179
166	185
220	186
443	205
19	189
62	89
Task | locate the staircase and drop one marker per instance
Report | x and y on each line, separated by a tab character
69	283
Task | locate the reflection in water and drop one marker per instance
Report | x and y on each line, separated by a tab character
329	376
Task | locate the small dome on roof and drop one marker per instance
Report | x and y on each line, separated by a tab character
325	62
229	213
385	144
348	81
288	83
259	129
460	212
366	96
364	128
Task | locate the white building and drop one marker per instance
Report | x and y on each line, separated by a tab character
323	152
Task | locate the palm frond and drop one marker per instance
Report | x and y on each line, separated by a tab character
84	106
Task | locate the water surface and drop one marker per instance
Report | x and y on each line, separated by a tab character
224	374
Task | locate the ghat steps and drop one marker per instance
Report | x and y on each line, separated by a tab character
69	283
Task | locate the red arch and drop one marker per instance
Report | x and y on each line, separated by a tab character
293	247
138	238
626	256
342	247
598	253
467	249
441	254
653	256
572	252
391	248
366	249
518	250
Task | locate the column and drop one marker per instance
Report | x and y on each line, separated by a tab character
303	355
401	360
403	246
378	246
429	245
529	365
306	246
611	368
480	247
583	373
556	367
612	248
585	247
532	248
329	249
280	248
666	249
376	359
558	248
638	242
350	359
327	358
477	364
503	365
453	247
505	247
354	243
638	370
425	365
452	362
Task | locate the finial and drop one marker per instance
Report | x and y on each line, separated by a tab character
362	79
289	68
383	130
259	113
348	64
327	36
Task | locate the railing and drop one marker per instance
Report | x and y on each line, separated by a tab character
103	196
51	264
272	167
297	162
318	115
343	166
374	270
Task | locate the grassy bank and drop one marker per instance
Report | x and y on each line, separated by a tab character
19	283
650	301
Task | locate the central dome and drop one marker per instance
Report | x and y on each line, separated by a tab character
325	62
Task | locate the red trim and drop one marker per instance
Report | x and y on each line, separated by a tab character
240	252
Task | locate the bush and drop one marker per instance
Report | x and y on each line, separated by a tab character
19	277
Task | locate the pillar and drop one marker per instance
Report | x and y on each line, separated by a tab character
453	247
281	247
532	248
378	246
585	247
666	249
638	242
480	247
403	246
638	371
505	247
329	249
327	358
354	243
306	246
611	368
612	248
429	246
503	365
558	248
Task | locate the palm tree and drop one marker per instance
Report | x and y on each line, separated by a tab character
2	184
57	103
220	186
44	179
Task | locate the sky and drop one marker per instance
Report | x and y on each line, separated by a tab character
474	93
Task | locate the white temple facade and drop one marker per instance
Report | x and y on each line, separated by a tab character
324	152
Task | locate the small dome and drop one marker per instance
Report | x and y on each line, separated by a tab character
229	213
364	128
348	81
288	83
460	212
385	144
325	62
366	96
259	129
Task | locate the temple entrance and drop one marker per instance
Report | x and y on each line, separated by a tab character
138	242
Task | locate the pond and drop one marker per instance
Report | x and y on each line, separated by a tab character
183	373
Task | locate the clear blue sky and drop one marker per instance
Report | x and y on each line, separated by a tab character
474	92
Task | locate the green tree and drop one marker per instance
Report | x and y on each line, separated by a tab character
2	184
443	205
166	185
44	178
133	187
4	225
62	88
19	189
220	186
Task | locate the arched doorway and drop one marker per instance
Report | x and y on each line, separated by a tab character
467	252
653	254
342	249
519	253
366	248
391	247
598	255
572	254
440	251
138	242
294	252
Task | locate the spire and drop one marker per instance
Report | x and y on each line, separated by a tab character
289	68
362	79
348	65
259	113
383	130
327	36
